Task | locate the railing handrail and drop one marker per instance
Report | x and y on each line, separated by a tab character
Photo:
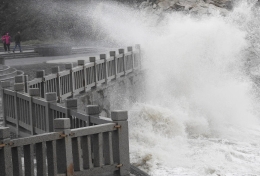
86	73
88	150
101	142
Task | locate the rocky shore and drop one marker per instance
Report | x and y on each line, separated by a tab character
188	6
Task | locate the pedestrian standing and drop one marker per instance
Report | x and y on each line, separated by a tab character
17	40
8	41
3	40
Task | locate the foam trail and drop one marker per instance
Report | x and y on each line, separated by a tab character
200	115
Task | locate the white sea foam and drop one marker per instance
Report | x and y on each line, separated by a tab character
200	114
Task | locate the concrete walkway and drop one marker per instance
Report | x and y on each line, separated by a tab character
35	60
17	51
54	59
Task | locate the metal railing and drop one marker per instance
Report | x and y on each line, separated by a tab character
29	114
60	139
92	150
85	76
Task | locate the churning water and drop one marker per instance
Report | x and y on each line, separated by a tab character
199	114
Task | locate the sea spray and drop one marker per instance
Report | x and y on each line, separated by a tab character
200	112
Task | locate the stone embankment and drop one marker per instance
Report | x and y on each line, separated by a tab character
188	6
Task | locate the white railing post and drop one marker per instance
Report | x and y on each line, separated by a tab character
50	97
122	51
19	85
33	92
103	56
130	49
82	63
4	85
26	79
113	54
121	151
71	104
92	110
56	70
41	74
93	59
69	66
64	147
6	165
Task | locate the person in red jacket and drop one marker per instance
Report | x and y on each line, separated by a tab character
3	40
8	41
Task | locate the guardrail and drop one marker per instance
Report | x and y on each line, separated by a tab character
86	143
29	114
92	150
85	76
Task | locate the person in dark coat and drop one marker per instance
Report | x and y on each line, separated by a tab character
17	40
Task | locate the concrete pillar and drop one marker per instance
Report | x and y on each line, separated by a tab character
6	165
64	147
92	110
122	138
92	59
121	51
34	92
51	98
71	103
4	85
103	57
68	66
25	77
40	73
81	62
19	79
61	124
55	69
19	87
19	83
112	53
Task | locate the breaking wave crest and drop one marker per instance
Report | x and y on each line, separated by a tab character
200	111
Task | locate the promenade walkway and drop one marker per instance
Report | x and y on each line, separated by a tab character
116	149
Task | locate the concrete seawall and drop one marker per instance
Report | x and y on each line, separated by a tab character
119	94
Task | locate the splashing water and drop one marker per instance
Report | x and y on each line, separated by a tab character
200	114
